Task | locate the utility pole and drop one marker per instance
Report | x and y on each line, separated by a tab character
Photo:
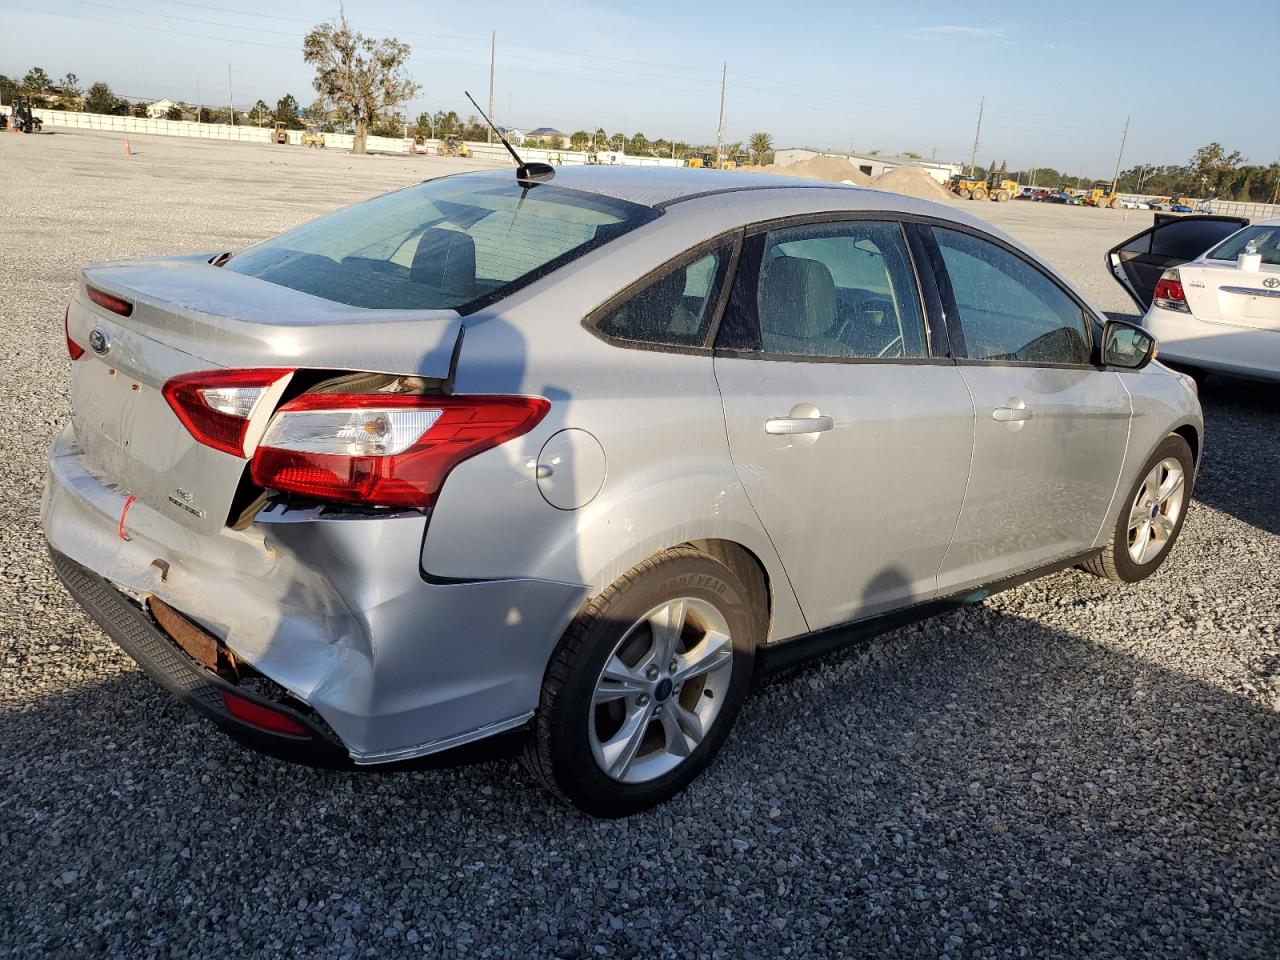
973	157
231	96
493	53
1032	178
1123	137
724	70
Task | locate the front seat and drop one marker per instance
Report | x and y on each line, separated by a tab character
798	308
446	260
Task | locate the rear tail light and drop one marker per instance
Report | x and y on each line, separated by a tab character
263	717
109	302
1169	293
216	406
74	349
383	449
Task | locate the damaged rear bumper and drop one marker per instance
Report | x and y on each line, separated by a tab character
191	682
331	607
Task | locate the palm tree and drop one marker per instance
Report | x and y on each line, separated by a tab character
761	144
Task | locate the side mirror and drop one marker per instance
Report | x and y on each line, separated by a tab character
1126	345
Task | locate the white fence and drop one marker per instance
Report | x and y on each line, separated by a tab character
491	152
1239	208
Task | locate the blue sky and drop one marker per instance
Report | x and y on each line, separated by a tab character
1058	82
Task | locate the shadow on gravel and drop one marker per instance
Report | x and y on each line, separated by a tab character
1241	471
981	782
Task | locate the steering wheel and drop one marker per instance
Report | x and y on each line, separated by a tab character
889	348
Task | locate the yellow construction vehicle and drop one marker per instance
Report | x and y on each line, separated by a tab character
708	161
984	188
1100	195
281	135
313	138
452	146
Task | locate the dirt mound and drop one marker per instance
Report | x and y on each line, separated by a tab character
831	169
911	181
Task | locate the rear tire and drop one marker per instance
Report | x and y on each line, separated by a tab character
965	194
1002	196
615	671
1116	204
1150	517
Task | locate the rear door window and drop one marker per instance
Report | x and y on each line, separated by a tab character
841	290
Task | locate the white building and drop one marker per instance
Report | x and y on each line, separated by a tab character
872	164
160	109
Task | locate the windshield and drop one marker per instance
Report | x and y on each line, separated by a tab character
1265	240
452	243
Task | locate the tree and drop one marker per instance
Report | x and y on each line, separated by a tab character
173	113
363	75
423	126
762	147
261	114
287	112
69	92
8	89
100	99
388	126
203	115
579	140
139	109
35	84
1211	166
618	142
638	145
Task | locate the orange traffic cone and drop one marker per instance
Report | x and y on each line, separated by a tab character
128	151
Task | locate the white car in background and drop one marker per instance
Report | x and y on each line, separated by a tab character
1207	310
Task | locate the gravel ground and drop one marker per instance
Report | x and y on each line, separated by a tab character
1069	769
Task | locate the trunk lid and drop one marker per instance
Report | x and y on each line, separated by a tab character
189	316
1222	293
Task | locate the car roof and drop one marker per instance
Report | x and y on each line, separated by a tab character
662	186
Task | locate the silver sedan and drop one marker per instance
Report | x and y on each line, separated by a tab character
576	461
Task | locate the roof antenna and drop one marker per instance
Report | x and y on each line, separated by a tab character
527	174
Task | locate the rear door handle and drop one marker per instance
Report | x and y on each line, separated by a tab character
792	425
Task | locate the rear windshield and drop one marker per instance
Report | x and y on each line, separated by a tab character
1265	240
452	243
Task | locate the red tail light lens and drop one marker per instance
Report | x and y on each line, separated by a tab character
264	718
216	405
74	349
1169	293
109	302
383	449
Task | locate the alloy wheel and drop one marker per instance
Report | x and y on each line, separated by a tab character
660	690
1153	516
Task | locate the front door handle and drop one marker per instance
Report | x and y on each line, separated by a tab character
1015	412
793	425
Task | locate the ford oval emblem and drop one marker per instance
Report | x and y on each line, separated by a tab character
99	340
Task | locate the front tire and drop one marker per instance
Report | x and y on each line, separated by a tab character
979	194
1150	517
646	683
